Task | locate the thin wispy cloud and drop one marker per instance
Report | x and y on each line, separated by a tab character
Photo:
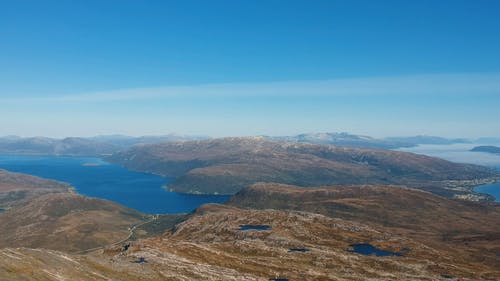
439	84
458	105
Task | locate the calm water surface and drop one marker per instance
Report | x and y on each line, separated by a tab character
368	249
492	189
461	153
254	227
96	178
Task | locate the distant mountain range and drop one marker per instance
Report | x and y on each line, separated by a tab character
49	146
346	139
76	146
109	144
123	141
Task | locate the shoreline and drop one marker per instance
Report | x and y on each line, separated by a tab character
468	189
463	189
170	189
493	198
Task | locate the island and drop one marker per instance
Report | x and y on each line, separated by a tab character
487	148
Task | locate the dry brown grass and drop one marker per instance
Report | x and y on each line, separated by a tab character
227	165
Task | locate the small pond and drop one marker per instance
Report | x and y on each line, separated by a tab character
254	227
298	250
368	250
140	260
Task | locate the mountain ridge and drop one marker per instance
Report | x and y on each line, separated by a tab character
107	144
227	165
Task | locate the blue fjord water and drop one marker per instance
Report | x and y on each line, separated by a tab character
492	189
461	153
96	178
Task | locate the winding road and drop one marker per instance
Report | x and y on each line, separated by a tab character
131	233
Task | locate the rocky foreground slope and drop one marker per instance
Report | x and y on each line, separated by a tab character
434	220
211	246
266	231
227	165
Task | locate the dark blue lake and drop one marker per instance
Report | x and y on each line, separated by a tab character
254	227
96	178
298	250
492	189
368	250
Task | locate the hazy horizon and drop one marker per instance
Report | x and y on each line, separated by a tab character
242	69
257	135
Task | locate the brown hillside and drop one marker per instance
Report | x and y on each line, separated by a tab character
472	227
65	221
227	165
17	189
210	246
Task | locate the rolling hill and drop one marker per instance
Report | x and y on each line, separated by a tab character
41	213
415	213
227	165
66	221
17	189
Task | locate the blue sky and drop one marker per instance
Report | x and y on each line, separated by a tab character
225	68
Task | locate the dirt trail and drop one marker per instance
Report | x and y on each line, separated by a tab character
131	233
